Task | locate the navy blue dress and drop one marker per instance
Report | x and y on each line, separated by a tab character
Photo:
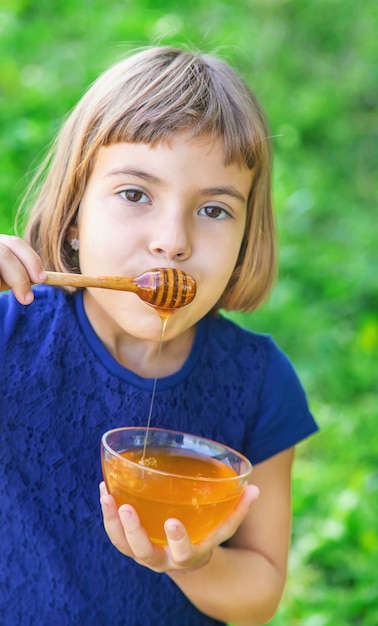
60	390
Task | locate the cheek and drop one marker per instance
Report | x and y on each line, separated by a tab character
98	238
224	255
217	271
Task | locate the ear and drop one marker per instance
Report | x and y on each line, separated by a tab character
72	233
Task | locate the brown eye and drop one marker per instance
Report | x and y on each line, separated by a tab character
134	195
215	212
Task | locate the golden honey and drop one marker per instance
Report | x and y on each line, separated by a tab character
198	490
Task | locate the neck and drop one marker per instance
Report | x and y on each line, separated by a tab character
151	359
135	344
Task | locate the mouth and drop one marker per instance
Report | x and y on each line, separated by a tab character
166	288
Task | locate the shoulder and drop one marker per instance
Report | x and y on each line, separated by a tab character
245	345
38	347
220	325
265	378
48	305
247	362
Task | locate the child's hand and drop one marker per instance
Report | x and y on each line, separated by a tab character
129	537
20	266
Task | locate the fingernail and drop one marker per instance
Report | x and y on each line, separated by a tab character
125	514
29	297
171	528
103	503
42	275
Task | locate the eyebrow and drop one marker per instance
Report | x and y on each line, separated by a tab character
129	171
222	190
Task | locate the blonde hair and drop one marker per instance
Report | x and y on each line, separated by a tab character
148	98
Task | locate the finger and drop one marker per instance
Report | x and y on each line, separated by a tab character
229	527
112	522
179	543
19	266
184	555
249	495
103	489
142	547
25	254
13	275
14	247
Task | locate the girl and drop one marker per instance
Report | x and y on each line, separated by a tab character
163	163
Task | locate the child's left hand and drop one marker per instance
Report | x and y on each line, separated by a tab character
128	535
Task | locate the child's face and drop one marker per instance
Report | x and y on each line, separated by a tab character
172	205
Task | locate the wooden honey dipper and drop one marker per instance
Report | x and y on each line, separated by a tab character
164	288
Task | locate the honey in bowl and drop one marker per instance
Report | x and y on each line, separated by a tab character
165	474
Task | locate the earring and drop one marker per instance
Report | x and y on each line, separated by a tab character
74	257
75	244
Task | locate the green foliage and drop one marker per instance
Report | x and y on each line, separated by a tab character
332	577
314	67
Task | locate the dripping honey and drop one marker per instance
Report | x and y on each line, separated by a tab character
164	315
198	490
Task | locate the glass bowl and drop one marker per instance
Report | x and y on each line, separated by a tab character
165	473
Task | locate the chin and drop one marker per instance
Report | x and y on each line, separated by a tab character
152	321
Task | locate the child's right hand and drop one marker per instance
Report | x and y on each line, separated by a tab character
20	266
179	555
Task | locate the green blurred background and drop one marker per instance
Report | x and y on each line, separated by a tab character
313	64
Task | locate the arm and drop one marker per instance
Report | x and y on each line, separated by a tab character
20	265
241	583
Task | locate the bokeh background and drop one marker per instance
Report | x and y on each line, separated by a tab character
313	64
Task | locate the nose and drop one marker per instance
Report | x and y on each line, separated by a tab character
171	239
